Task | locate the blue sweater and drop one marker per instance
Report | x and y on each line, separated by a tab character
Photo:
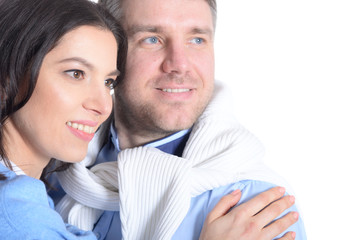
26	211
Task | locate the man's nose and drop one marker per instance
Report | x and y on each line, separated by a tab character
176	58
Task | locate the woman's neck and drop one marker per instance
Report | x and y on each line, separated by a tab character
22	154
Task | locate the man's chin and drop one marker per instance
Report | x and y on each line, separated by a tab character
177	122
173	128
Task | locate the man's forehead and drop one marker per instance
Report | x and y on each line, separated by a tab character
160	15
155	7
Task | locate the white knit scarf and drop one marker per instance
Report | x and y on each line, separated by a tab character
152	190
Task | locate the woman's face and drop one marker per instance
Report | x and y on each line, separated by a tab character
71	98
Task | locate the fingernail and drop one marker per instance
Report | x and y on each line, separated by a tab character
282	190
292	199
295	215
293	234
235	192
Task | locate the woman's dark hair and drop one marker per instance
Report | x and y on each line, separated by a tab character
29	29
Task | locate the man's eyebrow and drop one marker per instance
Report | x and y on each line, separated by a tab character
142	28
206	31
203	31
158	29
84	62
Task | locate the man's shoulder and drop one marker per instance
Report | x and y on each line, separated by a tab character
202	204
249	188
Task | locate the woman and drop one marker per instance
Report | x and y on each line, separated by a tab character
58	66
57	69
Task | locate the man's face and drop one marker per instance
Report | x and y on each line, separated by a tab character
170	65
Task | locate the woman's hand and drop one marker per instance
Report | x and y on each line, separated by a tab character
252	220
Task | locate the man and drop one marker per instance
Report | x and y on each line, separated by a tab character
168	100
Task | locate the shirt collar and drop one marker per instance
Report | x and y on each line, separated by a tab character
155	144
15	168
114	137
167	139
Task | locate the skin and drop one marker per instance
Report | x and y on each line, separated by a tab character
251	220
72	86
168	49
171	47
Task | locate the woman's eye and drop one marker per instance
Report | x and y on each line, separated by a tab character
77	74
109	83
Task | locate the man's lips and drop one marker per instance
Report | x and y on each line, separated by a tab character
175	90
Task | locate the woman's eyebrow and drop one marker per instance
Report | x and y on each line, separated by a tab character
116	72
87	64
78	59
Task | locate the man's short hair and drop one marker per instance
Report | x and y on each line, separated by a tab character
115	8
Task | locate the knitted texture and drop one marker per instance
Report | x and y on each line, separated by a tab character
155	188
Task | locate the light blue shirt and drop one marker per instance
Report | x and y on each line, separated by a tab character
27	212
108	226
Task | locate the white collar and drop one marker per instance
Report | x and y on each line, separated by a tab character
15	168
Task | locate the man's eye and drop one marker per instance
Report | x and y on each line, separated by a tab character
151	40
197	40
77	74
109	83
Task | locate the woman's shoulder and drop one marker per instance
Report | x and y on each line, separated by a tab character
22	198
25	211
21	188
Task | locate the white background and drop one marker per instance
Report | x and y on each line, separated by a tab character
295	71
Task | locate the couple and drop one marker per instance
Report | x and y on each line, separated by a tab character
69	55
